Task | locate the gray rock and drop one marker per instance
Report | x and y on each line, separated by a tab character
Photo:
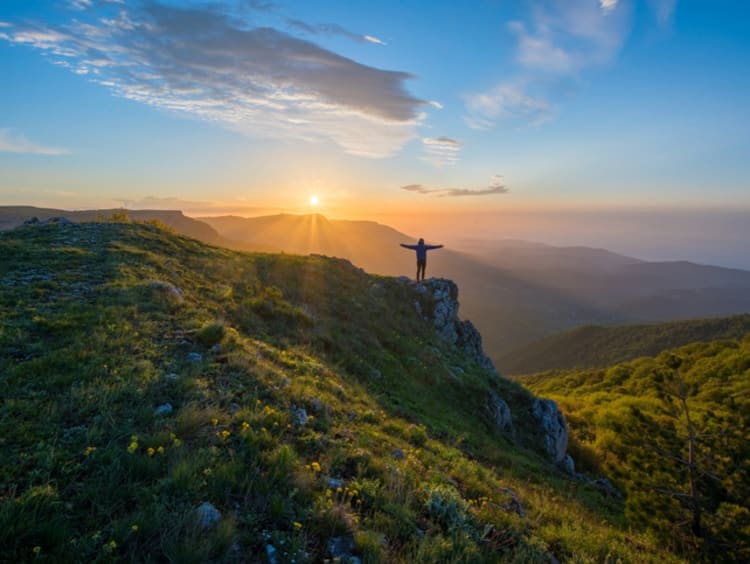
299	416
500	412
553	427
234	408
164	409
514	505
438	301
316	405
208	515
399	454
271	553
216	349
172	376
194	357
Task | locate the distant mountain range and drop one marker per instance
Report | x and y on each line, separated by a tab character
516	292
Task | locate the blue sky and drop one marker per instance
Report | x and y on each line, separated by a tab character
253	105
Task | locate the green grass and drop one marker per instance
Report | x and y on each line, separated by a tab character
103	323
629	421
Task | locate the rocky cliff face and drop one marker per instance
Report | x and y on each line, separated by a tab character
437	302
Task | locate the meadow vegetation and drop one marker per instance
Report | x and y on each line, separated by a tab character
165	400
673	432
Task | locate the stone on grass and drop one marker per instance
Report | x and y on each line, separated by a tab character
299	416
208	515
164	409
194	357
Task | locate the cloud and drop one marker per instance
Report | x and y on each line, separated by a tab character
441	151
331	29
557	43
375	40
12	142
495	187
257	80
567	36
506	102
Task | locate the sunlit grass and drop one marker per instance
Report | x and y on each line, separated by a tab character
395	454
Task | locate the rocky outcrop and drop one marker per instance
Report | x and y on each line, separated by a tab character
554	429
437	301
500	412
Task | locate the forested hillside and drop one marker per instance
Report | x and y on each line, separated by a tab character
673	432
595	346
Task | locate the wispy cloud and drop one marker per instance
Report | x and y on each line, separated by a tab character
440	151
258	80
495	187
331	29
14	142
558	41
506	102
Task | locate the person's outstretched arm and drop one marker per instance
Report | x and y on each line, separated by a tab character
430	247
412	247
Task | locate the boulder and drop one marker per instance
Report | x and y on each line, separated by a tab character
164	409
208	515
554	429
500	412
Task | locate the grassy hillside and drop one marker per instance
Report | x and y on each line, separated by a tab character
147	375
673	432
595	346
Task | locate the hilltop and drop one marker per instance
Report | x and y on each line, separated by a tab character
515	292
169	400
596	346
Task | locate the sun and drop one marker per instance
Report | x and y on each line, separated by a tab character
314	200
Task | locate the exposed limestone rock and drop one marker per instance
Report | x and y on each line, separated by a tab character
553	426
299	416
437	301
208	515
164	409
500	412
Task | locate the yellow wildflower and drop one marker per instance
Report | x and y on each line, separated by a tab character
150	451
160	450
297	525
89	450
214	421
245	425
315	466
132	447
134	528
176	442
207	472
37	549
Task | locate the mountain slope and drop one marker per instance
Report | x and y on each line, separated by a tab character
673	432
595	346
168	400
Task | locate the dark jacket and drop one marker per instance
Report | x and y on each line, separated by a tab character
421	249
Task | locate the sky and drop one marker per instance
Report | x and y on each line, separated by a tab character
617	122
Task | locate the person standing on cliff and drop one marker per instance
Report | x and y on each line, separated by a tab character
421	249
